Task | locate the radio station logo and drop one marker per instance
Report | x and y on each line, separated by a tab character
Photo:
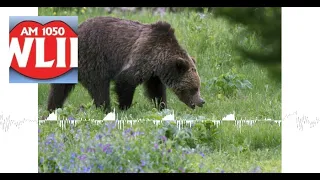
43	49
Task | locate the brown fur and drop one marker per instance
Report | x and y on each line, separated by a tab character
131	53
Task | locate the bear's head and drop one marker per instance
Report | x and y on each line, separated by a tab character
187	82
175	67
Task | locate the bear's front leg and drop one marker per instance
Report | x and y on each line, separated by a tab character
125	92
156	91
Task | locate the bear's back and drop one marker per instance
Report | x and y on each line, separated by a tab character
107	25
105	43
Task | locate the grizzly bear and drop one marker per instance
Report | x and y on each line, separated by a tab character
130	54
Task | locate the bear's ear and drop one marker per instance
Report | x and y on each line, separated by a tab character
182	65
163	27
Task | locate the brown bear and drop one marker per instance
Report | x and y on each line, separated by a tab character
131	53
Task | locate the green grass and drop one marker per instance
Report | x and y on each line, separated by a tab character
248	92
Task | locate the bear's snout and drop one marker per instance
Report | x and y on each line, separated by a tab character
202	102
198	103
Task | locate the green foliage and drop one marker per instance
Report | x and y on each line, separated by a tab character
229	84
266	22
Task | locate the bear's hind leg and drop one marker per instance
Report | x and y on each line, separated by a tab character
156	91
57	95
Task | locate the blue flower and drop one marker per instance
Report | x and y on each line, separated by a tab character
86	169
73	155
100	167
65	169
41	160
202	154
98	136
143	163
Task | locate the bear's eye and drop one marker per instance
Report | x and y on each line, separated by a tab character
194	90
194	61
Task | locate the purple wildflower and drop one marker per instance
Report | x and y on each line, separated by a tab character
186	152
51	139
163	138
182	170
107	149
169	150
222	171
82	157
71	118
156	146
128	131
256	170
138	133
90	150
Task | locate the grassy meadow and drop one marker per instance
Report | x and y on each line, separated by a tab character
228	85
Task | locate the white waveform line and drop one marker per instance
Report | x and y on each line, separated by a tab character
113	117
6	122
